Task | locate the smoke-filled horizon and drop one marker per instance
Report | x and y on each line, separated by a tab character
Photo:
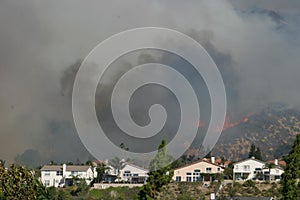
255	45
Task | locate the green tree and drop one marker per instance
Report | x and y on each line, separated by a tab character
252	151
160	176
117	164
17	183
290	188
255	152
100	169
228	171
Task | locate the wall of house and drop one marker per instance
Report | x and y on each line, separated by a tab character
49	178
191	173
134	171
246	167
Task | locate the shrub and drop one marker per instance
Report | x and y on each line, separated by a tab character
249	183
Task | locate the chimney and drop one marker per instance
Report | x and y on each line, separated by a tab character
212	160
64	169
276	161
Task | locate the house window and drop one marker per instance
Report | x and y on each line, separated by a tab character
236	167
219	169
188	179
197	170
178	178
47	173
208	169
189	173
47	183
127	173
246	167
59	173
135	175
194	178
74	173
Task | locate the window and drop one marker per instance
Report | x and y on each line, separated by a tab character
236	167
47	183
47	173
277	177
246	167
197	170
219	169
59	173
208	169
194	179
135	175
74	173
178	178
188	179
189	173
127	173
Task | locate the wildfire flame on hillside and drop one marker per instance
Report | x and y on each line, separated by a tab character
227	124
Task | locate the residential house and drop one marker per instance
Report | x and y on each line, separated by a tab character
63	175
133	174
272	174
248	169
256	170
201	170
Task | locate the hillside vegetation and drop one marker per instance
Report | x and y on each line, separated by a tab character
272	130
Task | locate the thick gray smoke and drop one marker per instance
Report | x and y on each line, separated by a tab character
255	45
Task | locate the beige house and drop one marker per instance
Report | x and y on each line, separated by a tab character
196	172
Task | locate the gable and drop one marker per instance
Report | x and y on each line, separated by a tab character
201	165
133	168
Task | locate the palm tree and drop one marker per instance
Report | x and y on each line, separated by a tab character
117	164
101	170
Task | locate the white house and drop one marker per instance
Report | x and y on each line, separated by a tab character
133	174
272	174
63	175
247	169
196	172
257	170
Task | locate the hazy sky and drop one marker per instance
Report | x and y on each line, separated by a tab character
255	43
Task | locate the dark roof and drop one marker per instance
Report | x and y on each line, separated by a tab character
80	168
69	168
52	168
